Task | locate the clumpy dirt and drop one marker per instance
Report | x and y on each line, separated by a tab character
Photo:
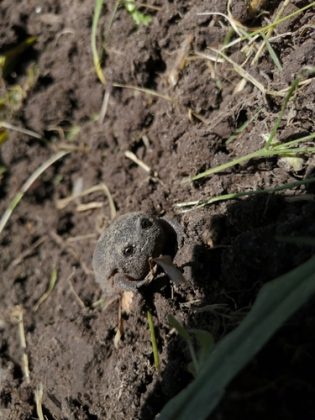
231	248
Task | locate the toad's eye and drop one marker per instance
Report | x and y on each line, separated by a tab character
128	250
145	223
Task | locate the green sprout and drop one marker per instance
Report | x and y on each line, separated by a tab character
153	342
138	17
199	353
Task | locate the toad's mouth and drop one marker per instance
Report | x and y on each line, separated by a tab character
129	283
128	277
129	280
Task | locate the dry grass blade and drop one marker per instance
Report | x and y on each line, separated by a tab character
237	26
81	208
31	133
269	149
79	238
269	33
29	251
104	104
17	317
209	57
301	83
66	247
283	19
77	297
38	394
243	73
251	36
35	175
144	90
112	18
148	6
180	61
62	203
45	296
96	58
137	161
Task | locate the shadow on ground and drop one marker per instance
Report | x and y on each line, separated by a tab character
246	253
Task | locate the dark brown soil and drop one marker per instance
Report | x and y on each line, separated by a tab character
231	249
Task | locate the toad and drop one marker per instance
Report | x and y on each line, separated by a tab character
124	253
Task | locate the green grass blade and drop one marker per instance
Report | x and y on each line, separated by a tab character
272	53
281	149
228	165
153	342
276	302
96	58
284	105
234	196
283	19
294	142
284	152
51	286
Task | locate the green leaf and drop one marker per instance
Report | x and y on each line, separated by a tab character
140	18
205	342
185	335
276	302
297	240
179	328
